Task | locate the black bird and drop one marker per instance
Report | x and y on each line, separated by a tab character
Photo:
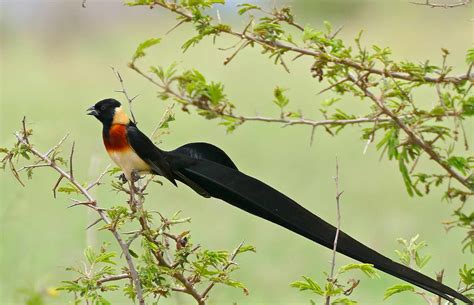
211	173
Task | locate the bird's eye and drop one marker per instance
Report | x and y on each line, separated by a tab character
102	108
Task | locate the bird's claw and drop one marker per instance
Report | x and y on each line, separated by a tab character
122	178
135	176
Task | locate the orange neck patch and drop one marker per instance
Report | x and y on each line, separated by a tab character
116	138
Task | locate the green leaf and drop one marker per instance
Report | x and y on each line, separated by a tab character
245	7
470	56
328	27
467	275
367	269
459	163
114	170
468	106
308	284
139	2
68	189
89	254
280	99
397	289
140	51
105	258
132	253
215	93
247	248
344	301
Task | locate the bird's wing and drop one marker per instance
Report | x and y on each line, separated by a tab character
149	153
206	151
259	199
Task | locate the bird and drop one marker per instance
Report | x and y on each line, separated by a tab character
210	172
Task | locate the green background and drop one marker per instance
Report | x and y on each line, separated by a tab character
55	63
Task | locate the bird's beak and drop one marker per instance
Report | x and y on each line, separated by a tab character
92	111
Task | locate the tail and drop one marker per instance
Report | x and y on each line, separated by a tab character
259	199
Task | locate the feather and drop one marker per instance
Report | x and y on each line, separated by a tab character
259	199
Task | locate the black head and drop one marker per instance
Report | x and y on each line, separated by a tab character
104	110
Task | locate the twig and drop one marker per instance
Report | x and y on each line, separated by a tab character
71	173
439	278
333	85
55	147
425	297
338	228
442	5
338	30
56	185
32	166
164	117
94	223
175	26
372	135
113	278
25	133
97	181
240	48
124	92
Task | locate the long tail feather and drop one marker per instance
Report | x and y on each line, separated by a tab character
259	199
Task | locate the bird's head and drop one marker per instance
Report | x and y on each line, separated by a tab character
109	111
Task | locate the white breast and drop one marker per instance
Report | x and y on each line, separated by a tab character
129	161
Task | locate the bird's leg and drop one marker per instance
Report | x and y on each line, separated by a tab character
134	176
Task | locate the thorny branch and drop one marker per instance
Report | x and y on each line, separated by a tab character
379	101
274	45
90	202
389	117
188	287
284	121
124	92
113	278
338	228
443	5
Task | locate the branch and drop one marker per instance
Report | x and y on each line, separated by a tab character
124	92
267	44
92	204
284	121
379	101
98	180
113	278
441	5
338	228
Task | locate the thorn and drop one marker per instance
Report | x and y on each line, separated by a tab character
93	224
56	185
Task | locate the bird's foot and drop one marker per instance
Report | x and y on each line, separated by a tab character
122	178
135	175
